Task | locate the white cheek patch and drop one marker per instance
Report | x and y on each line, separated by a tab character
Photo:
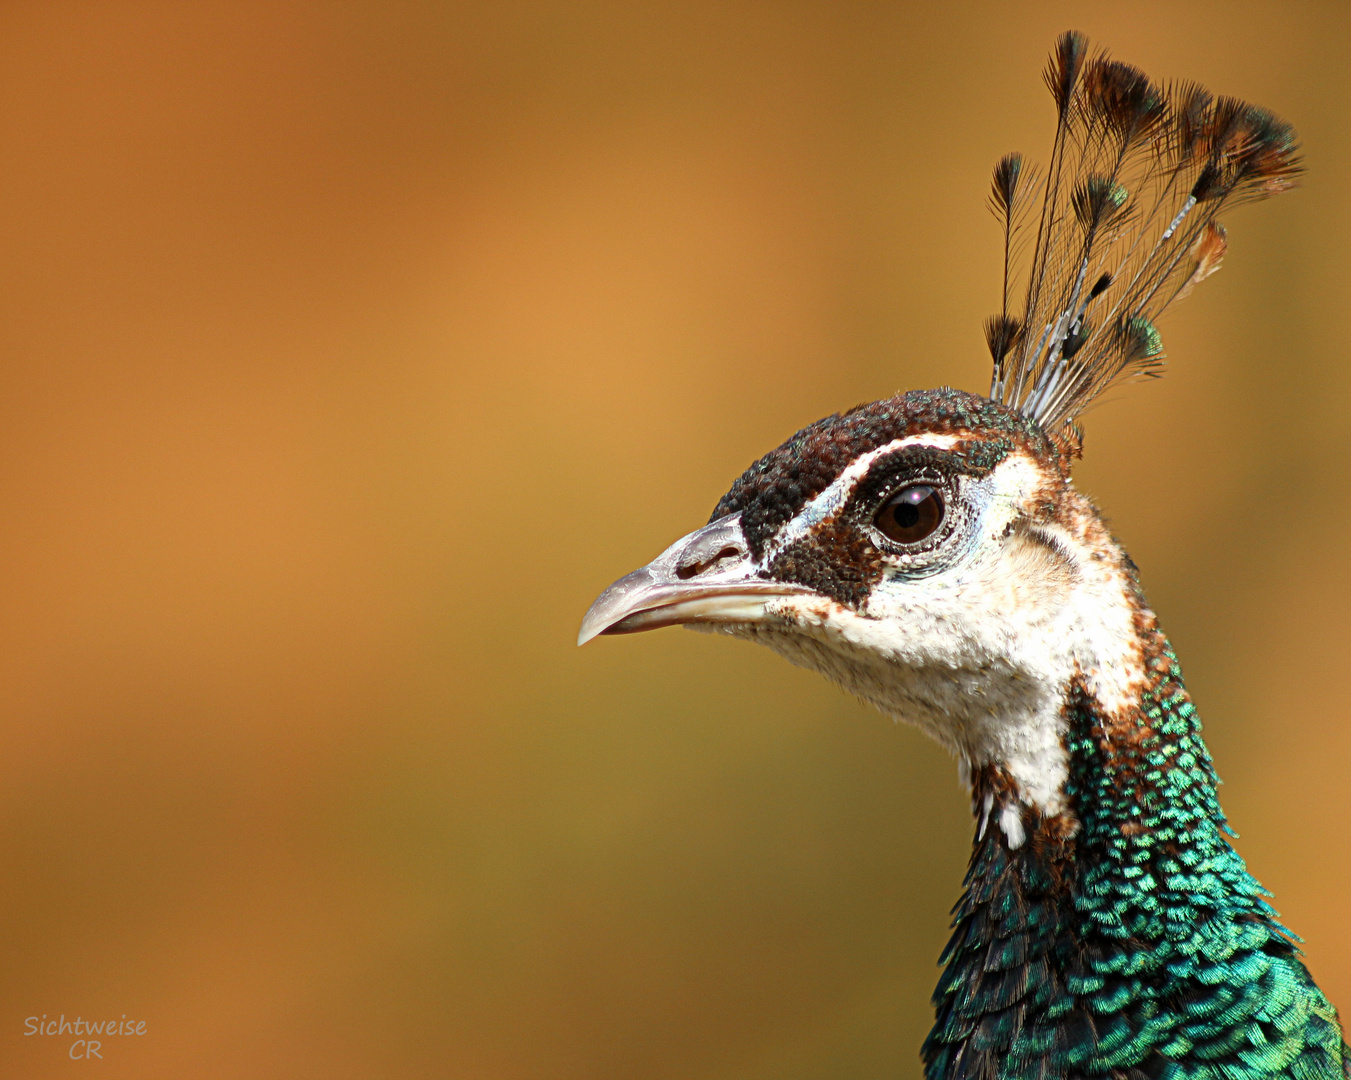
830	501
980	652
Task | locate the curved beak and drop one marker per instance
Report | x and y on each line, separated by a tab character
705	577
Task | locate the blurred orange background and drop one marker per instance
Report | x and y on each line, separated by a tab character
350	349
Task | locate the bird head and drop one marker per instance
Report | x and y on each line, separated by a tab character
929	554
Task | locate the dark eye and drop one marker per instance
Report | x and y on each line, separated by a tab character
911	514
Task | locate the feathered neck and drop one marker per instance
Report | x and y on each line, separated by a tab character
1124	937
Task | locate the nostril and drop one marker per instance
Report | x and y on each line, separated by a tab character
702	566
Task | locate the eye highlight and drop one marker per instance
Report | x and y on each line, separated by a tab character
911	515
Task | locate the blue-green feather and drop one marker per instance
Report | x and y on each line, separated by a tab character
1136	946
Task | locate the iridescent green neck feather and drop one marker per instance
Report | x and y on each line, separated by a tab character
1126	938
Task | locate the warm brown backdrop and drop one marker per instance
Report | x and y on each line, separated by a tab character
348	349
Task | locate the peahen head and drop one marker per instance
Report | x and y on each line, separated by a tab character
929	552
931	555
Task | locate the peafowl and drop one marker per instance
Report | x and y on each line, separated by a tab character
929	554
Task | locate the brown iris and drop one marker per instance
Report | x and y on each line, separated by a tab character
910	515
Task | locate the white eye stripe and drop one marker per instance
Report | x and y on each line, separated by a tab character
834	497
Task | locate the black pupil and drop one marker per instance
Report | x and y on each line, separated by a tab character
911	514
906	514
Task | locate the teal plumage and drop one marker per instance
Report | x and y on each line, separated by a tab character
1139	947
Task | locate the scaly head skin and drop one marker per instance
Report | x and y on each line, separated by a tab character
930	554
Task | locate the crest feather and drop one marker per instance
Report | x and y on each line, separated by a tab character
1128	223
